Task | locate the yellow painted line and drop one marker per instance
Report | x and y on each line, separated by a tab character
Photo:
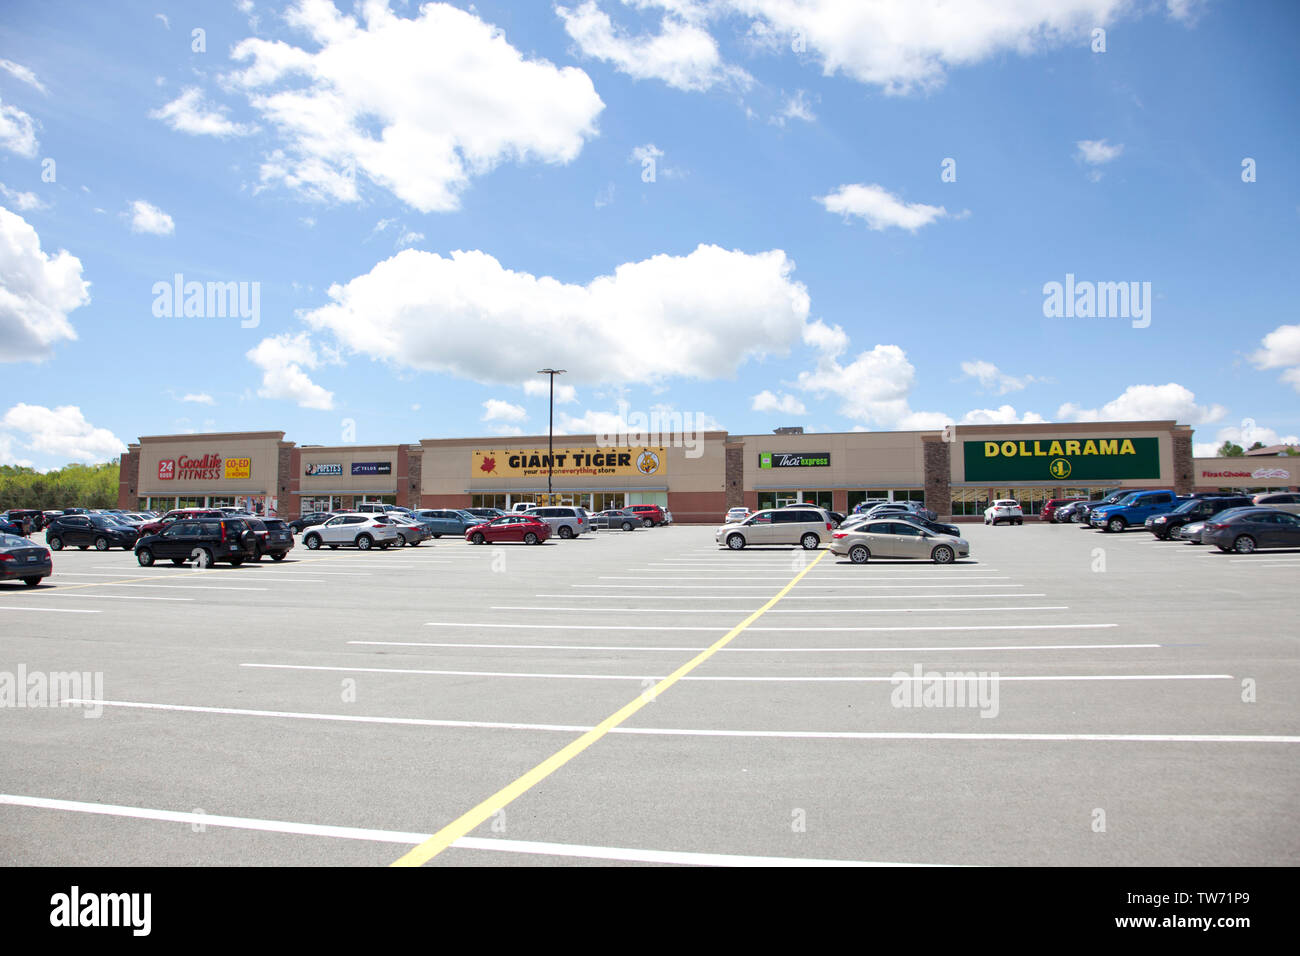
462	825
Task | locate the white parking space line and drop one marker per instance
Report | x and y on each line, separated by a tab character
793	627
802	586
819	598
739	679
55	592
768	650
728	610
706	732
785	576
181	587
528	847
51	610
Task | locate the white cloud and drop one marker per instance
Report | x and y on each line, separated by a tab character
796	107
696	316
497	410
17	131
902	47
682	54
37	291
23	200
993	379
162	17
1002	415
202	398
880	208
1244	435
1146	403
830	340
873	388
62	432
419	106
1096	152
20	72
189	113
408	238
541	388
1281	349
281	359
766	401
146	217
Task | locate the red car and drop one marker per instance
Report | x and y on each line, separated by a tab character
1052	504
523	528
651	515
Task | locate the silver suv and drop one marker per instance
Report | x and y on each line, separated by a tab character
565	522
807	527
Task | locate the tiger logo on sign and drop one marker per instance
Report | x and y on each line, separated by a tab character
647	462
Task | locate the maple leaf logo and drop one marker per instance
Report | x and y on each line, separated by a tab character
489	464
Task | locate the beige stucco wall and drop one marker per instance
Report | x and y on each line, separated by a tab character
347	455
261	447
858	460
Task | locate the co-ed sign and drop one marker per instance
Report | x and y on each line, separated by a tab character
572	462
1071	459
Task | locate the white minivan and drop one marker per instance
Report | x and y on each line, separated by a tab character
804	526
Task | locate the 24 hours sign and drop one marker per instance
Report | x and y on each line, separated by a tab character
1073	459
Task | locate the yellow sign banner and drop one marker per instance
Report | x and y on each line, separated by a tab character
613	462
239	467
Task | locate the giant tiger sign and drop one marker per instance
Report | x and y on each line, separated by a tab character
571	462
1072	460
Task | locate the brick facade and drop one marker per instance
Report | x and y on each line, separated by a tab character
1184	472
938	475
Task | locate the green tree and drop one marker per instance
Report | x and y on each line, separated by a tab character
1229	450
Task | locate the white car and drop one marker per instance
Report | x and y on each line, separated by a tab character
362	531
1005	510
735	514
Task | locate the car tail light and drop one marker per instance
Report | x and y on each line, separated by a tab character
840	534
6	557
828	526
223	531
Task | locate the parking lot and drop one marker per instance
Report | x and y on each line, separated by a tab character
1138	703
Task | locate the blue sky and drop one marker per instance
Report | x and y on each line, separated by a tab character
731	208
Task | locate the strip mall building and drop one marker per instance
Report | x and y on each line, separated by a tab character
956	472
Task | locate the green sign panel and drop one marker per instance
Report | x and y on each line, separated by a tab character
1052	459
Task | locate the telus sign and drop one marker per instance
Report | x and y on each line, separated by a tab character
372	468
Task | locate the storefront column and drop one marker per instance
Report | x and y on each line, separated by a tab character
938	474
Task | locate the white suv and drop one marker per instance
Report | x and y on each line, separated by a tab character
1005	510
360	530
565	522
807	527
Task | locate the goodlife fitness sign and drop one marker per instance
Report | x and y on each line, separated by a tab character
208	468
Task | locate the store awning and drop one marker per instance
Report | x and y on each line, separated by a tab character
558	490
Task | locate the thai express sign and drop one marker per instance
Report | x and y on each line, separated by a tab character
1062	459
807	459
571	462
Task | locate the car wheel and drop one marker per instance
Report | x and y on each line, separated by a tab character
1116	525
530	538
627	526
55	543
202	557
312	541
647	523
277	556
566	531
859	554
477	538
1244	544
942	554
257	553
145	557
101	544
31	582
364	541
810	541
736	542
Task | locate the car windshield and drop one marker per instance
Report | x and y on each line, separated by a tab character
13	541
381	519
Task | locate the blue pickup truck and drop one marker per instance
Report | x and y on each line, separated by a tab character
1133	510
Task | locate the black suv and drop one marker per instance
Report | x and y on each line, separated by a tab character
1194	509
312	518
103	531
202	540
273	537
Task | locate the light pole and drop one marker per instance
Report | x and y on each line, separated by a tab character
550	429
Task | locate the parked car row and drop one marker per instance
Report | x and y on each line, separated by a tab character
888	530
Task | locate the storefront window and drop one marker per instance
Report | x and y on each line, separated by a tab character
969	501
822	499
221	501
907	494
766	499
377	500
659	498
488	501
606	500
191	502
